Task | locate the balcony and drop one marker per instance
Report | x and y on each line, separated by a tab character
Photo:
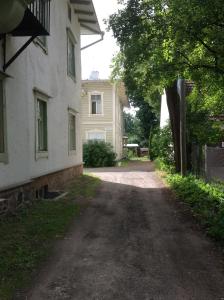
36	20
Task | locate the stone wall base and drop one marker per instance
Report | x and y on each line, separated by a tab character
13	199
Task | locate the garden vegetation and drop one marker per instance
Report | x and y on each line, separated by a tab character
98	154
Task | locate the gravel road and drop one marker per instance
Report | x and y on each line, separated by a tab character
133	242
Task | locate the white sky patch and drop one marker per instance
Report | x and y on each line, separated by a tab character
99	56
132	110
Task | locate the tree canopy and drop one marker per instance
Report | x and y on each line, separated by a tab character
162	40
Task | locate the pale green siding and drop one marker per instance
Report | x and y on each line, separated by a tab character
111	121
107	103
108	129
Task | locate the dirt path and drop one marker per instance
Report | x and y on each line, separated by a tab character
132	243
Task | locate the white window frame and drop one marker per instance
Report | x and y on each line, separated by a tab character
74	113
90	103
4	155
40	96
71	38
44	46
69	12
96	131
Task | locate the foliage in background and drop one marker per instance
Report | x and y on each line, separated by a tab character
98	154
27	238
201	129
161	40
161	146
132	128
138	128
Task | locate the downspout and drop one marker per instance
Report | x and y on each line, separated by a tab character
101	39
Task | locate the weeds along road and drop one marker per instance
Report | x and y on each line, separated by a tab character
134	242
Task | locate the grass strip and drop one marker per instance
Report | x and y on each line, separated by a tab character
28	238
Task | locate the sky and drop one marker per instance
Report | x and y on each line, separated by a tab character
99	56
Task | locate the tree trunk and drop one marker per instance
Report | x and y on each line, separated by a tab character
173	103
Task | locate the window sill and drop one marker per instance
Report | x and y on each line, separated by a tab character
96	115
72	77
72	152
39	44
4	158
41	154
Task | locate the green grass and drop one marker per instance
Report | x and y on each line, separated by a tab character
143	158
27	239
123	163
126	162
85	186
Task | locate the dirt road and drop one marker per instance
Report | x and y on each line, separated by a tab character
134	242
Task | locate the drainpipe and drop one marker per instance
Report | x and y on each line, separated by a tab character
11	14
101	39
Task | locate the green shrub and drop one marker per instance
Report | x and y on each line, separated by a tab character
98	154
161	165
162	146
205	199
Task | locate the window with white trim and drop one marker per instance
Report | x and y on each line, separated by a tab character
96	104
71	55
2	142
96	135
41	104
2	124
41	125
72	131
69	13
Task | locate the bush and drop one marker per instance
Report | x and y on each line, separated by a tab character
162	146
98	154
205	199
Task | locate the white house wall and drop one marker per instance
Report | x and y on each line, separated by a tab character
48	73
118	127
98	123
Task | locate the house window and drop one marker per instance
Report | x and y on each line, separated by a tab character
41	125
96	104
96	135
2	122
3	141
72	131
69	13
71	54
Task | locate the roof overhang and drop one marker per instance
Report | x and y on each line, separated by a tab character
122	94
87	18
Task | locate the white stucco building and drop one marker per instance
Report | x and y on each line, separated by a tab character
40	93
102	112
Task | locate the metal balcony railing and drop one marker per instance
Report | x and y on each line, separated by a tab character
41	10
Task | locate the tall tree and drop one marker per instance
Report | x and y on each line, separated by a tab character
161	40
